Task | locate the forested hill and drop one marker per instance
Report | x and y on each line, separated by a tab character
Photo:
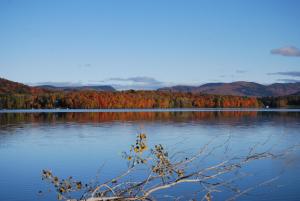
10	87
19	96
240	89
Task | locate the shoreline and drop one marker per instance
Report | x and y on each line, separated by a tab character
151	110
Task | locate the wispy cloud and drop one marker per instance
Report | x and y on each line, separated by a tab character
240	71
287	73
287	51
288	80
87	65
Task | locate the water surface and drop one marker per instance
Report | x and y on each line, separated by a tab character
78	143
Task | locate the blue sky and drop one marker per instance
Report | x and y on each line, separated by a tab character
148	44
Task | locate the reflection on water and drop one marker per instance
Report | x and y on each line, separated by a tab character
86	117
78	143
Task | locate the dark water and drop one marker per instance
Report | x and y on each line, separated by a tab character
79	143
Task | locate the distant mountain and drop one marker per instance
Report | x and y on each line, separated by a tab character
10	87
79	88
283	89
296	94
240	88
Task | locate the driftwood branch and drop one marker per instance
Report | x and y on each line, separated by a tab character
162	173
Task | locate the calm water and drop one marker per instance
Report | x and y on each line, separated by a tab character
79	143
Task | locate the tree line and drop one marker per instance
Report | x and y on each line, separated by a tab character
281	101
123	99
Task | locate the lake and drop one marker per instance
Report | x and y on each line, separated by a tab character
86	143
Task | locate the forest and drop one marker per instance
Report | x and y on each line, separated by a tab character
122	99
292	101
139	99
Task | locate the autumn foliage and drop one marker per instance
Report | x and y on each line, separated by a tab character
122	99
15	95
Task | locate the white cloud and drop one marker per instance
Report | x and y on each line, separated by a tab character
139	82
139	79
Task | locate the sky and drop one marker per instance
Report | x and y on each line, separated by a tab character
149	43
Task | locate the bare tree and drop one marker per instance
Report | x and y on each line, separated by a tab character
163	171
